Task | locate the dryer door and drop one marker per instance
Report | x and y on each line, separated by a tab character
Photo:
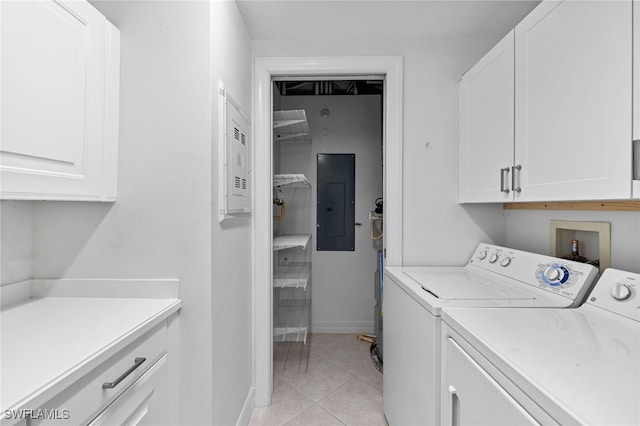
470	396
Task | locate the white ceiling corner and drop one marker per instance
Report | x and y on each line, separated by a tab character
367	19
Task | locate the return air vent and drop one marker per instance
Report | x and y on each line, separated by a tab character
234	156
240	159
240	183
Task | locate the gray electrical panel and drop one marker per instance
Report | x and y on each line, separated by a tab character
336	202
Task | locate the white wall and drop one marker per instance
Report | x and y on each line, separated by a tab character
437	230
231	241
160	225
529	230
343	283
15	241
164	223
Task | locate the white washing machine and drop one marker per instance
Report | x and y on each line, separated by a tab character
546	366
414	297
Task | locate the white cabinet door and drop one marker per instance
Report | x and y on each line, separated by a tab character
636	98
60	62
486	114
636	70
410	382
573	101
471	397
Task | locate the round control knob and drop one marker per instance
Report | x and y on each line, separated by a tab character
493	258
482	255
505	262
620	291
552	274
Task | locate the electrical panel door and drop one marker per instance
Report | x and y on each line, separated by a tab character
336	202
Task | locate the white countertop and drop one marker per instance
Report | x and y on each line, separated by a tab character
47	343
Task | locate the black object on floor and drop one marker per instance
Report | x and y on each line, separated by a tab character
377	362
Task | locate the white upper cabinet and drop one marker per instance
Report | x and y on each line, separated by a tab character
636	70
573	101
636	98
569	107
486	125
60	85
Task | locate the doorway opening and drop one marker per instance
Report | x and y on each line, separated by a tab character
328	176
268	70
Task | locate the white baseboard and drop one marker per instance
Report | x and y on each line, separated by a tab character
247	408
342	327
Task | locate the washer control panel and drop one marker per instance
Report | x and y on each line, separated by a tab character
556	275
493	256
563	277
617	291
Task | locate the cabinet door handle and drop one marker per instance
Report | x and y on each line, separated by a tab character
503	172
515	169
136	363
453	400
636	159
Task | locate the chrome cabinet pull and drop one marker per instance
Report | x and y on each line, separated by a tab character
503	172
137	363
455	409
513	178
636	159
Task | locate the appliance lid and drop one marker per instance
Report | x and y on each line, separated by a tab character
577	360
463	285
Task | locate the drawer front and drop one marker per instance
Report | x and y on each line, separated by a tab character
83	400
143	403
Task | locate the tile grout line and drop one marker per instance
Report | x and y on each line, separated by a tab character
338	355
322	408
335	391
334	365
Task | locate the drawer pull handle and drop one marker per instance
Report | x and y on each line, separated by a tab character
137	363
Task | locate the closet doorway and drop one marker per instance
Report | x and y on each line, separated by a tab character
270	70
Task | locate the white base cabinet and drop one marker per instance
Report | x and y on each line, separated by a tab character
140	392
60	94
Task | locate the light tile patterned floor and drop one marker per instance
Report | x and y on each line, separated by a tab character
336	384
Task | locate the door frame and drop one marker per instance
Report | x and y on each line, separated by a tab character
265	69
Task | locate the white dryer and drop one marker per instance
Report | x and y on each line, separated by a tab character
414	298
546	366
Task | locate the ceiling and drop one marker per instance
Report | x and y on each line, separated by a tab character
366	19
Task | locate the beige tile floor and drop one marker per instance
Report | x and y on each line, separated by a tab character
335	385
